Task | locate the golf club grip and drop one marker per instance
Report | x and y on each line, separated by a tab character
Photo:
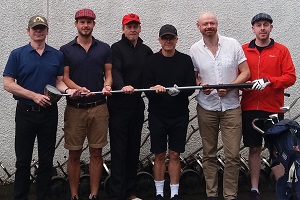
220	86
201	87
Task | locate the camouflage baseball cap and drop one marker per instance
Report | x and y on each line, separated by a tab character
37	20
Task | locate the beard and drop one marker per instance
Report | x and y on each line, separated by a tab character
85	34
210	32
264	36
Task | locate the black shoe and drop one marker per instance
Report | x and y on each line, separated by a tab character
74	198
159	197
176	197
254	195
133	197
94	198
212	198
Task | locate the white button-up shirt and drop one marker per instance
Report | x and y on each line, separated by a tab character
222	68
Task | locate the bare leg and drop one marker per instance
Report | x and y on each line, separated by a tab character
159	168
73	168
254	165
278	171
95	169
174	167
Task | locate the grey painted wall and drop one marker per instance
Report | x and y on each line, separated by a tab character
234	21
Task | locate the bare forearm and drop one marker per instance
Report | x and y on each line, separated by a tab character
60	84
242	78
12	87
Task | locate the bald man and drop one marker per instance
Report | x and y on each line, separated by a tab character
219	60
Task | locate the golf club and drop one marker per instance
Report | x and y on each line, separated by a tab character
54	94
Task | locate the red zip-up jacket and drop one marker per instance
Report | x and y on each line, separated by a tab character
274	63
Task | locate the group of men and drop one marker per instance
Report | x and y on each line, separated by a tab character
86	64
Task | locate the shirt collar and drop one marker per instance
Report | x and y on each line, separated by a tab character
30	49
128	42
252	43
219	41
74	42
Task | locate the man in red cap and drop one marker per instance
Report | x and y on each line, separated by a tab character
87	68
126	110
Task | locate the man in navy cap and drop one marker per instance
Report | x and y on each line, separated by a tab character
272	70
168	110
87	68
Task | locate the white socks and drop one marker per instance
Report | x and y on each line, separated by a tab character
255	189
159	187
174	189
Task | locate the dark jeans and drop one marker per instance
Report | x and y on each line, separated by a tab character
125	126
30	125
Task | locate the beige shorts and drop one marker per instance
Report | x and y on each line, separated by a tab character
90	123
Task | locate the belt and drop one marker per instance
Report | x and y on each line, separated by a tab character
86	105
34	108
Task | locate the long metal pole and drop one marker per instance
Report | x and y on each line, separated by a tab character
201	87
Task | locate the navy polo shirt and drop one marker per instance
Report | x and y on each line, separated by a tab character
86	69
33	71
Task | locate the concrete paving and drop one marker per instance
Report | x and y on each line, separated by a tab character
268	193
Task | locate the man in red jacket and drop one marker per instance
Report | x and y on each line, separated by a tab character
272	71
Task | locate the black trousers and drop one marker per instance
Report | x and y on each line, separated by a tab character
125	126
30	125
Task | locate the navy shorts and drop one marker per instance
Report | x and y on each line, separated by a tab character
171	130
251	137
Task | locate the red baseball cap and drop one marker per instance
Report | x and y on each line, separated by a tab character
130	17
85	13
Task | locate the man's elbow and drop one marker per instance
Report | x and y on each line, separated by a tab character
6	84
248	75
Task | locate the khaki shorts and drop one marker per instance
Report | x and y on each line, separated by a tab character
81	123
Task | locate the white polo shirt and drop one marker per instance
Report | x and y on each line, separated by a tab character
223	68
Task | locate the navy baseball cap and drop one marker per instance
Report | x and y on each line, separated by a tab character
167	30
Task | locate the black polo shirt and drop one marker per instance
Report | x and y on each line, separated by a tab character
87	68
128	62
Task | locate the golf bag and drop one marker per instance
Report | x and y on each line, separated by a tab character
283	141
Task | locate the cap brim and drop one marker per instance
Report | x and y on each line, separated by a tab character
262	19
168	34
36	24
127	22
86	17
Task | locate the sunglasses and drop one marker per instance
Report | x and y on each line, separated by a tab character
168	37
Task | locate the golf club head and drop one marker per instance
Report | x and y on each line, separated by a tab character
285	108
274	118
53	94
145	186
190	182
84	184
57	187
